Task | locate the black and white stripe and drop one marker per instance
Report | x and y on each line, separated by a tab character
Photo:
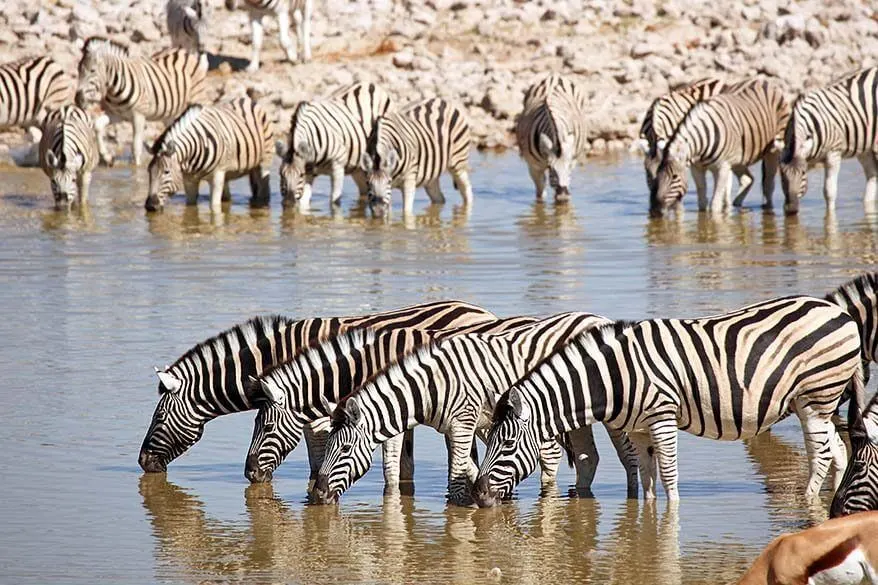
328	137
727	377
451	386
859	298
213	143
412	148
187	22
858	491
212	378
551	133
827	125
724	134
138	89
68	154
282	10
29	88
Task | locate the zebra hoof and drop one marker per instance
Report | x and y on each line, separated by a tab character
108	161
253	67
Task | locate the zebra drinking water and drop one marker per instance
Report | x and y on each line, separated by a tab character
726	377
214	143
858	491
68	154
281	9
187	21
31	87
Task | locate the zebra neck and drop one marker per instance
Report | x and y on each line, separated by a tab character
859	299
122	85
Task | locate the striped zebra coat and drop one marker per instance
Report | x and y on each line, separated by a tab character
187	21
329	137
451	386
724	134
212	378
727	377
138	89
282	9
827	125
29	88
214	143
551	133
858	491
68	154
412	148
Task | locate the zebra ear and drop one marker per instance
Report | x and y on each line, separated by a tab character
191	13
149	148
366	162
280	147
808	144
169	381
79	43
778	145
51	160
78	160
661	143
390	160
643	144
305	150
519	408
545	143
352	412
273	392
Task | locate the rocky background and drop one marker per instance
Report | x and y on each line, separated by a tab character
484	53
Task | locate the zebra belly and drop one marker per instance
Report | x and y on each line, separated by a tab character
853	570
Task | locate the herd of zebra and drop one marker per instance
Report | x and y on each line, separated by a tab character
531	388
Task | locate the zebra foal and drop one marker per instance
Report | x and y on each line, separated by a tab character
726	377
551	133
31	87
282	9
827	125
724	134
187	21
68	154
138	89
215	143
412	148
328	137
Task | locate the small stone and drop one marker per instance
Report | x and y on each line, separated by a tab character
403	59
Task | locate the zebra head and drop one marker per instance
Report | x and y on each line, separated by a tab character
94	69
294	172
670	182
560	157
348	454
165	175
276	431
652	157
512	454
175	426
380	169
858	491
794	173
63	172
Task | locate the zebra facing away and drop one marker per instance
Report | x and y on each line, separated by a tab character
724	134
212	378
551	133
215	143
858	491
452	386
187	21
29	88
68	154
727	377
329	137
828	125
258	9
138	89
412	148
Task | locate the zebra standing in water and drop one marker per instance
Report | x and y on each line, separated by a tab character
412	148
187	21
828	125
727	377
138	89
551	133
68	154
212	378
258	9
215	143
29	88
328	137
451	386
725	134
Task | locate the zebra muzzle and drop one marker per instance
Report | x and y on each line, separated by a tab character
483	494
254	473
153	203
321	493
151	463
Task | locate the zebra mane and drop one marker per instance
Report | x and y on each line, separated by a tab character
597	337
104	46
177	127
864	285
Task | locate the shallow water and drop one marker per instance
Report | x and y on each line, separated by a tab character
92	300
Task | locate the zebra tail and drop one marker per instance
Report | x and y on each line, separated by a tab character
564	440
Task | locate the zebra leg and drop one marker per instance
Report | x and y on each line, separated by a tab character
256	31
870	168
538	176
646	462
699	177
362	184
408	196
839	458
83	181
628	457
463	185
259	190
336	179
227	192
283	25
316	434
585	458
830	179
461	472
139	124
434	191
101	139
819	442
217	183
722	178
190	186
304	32
663	433
550	460
392	450
769	172
407	464
745	183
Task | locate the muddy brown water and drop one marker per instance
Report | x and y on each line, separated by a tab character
90	301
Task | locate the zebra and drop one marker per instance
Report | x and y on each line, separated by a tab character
31	87
68	154
215	143
138	89
726	377
450	385
411	148
551	133
828	125
858	491
187	21
329	137
725	134
258	9
212	378
859	297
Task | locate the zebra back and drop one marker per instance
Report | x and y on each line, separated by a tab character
366	101
325	131
859	298
667	111
68	132
30	87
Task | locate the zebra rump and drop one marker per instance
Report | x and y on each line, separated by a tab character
68	153
31	87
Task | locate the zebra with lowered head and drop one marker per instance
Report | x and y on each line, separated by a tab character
68	154
551	133
138	89
726	377
452	386
187	21
827	125
281	9
214	143
858	491
29	88
329	137
412	148
212	378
